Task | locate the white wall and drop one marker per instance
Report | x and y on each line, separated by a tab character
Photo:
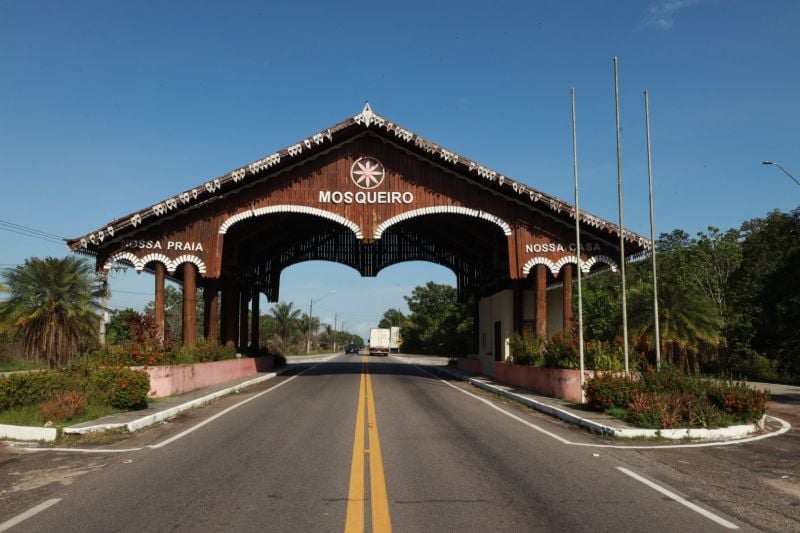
500	307
497	307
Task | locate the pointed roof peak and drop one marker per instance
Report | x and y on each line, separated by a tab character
366	116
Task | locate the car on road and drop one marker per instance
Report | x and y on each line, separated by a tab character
352	348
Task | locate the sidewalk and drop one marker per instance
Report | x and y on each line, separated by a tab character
601	423
160	410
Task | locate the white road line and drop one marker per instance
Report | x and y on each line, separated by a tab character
785	426
8	524
496	408
79	450
683	501
226	411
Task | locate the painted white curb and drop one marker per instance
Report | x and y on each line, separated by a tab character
27	433
155	418
730	432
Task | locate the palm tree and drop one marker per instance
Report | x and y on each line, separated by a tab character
329	335
53	304
690	325
286	320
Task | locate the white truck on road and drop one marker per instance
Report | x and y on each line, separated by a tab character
394	339
379	341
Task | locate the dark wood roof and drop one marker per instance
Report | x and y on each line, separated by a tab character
366	120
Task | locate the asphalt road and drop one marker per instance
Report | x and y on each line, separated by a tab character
384	444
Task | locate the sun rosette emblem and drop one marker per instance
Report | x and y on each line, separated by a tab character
367	172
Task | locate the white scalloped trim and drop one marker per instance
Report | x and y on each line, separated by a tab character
223	229
301	209
124	256
568	259
139	264
477	213
152	258
175	263
539	261
600	259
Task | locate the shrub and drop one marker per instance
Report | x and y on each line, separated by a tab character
667	410
655	410
202	351
64	406
122	388
17	390
605	392
601	355
743	403
526	349
672	379
561	352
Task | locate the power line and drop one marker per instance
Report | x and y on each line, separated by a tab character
34	230
30	232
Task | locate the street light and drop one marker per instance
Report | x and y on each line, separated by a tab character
783	169
310	316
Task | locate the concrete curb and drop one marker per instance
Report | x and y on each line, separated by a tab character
27	433
32	433
155	418
730	432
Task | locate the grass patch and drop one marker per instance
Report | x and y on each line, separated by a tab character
31	415
16	364
97	438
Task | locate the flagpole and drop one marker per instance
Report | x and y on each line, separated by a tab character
577	243
652	230
621	223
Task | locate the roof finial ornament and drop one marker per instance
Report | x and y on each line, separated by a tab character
367	114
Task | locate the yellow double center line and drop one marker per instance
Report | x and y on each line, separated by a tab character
381	521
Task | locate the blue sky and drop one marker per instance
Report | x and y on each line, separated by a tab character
107	107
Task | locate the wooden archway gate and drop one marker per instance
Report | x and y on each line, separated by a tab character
365	193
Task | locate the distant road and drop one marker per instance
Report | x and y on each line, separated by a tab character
373	444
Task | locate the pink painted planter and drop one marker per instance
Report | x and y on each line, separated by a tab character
471	366
170	380
557	382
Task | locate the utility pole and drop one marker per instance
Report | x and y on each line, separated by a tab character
335	316
101	334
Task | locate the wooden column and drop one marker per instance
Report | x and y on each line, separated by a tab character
541	301
567	301
244	300
256	319
211	310
230	312
189	303
160	271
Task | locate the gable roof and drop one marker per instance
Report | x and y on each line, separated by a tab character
290	155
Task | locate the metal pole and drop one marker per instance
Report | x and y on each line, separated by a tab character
783	169
652	231
577	242
101	333
310	308
621	222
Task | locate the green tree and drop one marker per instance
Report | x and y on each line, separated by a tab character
601	307
438	323
392	318
118	330
309	326
53	304
690	327
286	327
173	314
763	294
